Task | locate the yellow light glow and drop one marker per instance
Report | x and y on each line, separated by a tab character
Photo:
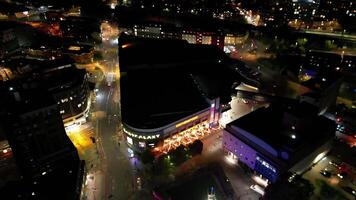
186	121
74	48
125	46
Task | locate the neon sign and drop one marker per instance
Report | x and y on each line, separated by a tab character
144	137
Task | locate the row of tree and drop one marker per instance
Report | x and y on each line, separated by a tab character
178	155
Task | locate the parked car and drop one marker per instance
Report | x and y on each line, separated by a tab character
325	173
350	190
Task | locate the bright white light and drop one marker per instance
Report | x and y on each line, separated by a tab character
72	128
129	140
260	181
230	159
98	96
4	151
258	189
293	136
25	12
112	6
319	157
114	41
44	173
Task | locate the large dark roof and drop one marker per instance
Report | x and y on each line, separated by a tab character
163	81
140	53
35	84
154	99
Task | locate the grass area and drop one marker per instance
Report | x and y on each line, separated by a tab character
195	188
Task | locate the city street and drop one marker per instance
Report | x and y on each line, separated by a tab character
110	172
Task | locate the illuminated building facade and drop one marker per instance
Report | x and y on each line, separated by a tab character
38	155
68	85
182	95
272	141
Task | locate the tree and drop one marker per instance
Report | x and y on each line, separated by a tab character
329	45
298	189
179	155
196	147
147	157
327	192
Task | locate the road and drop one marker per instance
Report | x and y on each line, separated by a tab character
350	37
111	175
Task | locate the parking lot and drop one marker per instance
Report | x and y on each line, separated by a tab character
336	173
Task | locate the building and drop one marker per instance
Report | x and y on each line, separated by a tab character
193	36
68	85
8	41
84	30
288	137
38	155
148	30
14	37
184	87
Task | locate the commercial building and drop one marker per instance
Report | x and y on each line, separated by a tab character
8	41
67	84
148	30
85	30
288	137
171	91
38	155
193	35
14	37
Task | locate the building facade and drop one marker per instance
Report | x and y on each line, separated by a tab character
285	146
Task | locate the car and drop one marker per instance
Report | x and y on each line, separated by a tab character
260	190
139	183
335	163
342	175
350	190
325	173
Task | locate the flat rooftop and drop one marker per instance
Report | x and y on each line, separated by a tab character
154	99
163	81
272	126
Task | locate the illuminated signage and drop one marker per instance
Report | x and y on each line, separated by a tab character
187	121
143	137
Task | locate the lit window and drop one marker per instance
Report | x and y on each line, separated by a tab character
62	111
